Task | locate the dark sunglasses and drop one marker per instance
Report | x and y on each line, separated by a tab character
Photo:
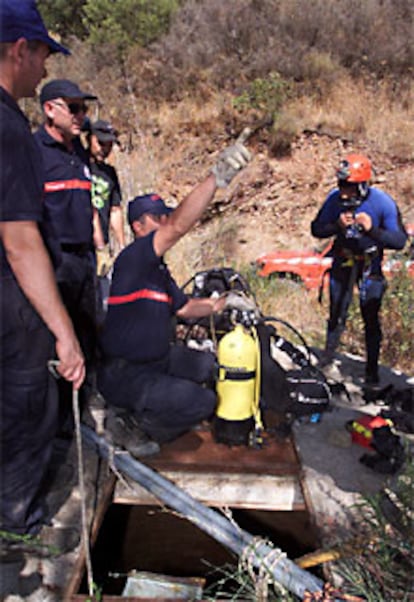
77	107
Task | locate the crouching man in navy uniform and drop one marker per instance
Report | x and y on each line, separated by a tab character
364	221
160	384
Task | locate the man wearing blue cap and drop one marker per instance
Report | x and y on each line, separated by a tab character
160	385
34	325
68	215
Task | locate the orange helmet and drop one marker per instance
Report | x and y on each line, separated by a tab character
354	169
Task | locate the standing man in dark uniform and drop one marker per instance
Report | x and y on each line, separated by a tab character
106	199
364	221
162	385
68	211
34	326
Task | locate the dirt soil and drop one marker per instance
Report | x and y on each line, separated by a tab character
275	199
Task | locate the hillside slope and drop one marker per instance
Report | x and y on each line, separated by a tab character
272	203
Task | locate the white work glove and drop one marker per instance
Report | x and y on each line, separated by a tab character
231	161
238	300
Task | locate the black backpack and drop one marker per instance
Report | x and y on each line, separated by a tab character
300	391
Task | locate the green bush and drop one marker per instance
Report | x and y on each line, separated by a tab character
264	94
62	17
128	22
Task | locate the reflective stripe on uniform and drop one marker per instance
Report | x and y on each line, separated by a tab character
141	294
67	185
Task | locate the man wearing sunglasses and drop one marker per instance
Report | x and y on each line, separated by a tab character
68	210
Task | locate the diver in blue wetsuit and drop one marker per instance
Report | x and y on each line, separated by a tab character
364	221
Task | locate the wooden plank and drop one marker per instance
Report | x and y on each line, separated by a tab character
262	492
197	451
105	500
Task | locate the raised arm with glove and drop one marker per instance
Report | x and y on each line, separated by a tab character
232	160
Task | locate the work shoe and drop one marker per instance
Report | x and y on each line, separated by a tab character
372	391
50	541
94	413
123	430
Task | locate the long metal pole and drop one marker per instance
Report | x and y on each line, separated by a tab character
261	555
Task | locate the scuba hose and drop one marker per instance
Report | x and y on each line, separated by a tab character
297	356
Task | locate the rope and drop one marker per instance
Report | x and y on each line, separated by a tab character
85	531
111	463
261	580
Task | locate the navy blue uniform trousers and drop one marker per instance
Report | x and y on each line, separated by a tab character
168	397
28	409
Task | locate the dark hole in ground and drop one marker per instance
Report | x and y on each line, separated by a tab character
148	538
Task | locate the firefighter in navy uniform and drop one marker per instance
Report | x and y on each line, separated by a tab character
68	211
161	384
68	214
364	221
34	325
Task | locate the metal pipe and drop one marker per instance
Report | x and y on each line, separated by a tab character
261	555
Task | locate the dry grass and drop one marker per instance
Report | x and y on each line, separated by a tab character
354	110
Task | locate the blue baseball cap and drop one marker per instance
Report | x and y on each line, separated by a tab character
63	88
147	203
104	131
21	19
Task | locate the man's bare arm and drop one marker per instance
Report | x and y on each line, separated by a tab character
98	237
199	308
229	163
31	265
116	221
185	216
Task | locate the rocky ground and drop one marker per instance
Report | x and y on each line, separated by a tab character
275	200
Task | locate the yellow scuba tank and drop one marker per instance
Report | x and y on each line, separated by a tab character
237	387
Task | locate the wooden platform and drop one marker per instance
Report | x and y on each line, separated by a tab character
219	475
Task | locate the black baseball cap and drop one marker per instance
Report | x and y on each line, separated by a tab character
63	88
147	203
21	19
104	131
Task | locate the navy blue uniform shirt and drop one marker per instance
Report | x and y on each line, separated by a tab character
143	298
68	207
22	177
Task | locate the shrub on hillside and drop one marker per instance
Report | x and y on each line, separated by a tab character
127	23
242	39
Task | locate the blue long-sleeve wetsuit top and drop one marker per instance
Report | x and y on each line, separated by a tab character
387	230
